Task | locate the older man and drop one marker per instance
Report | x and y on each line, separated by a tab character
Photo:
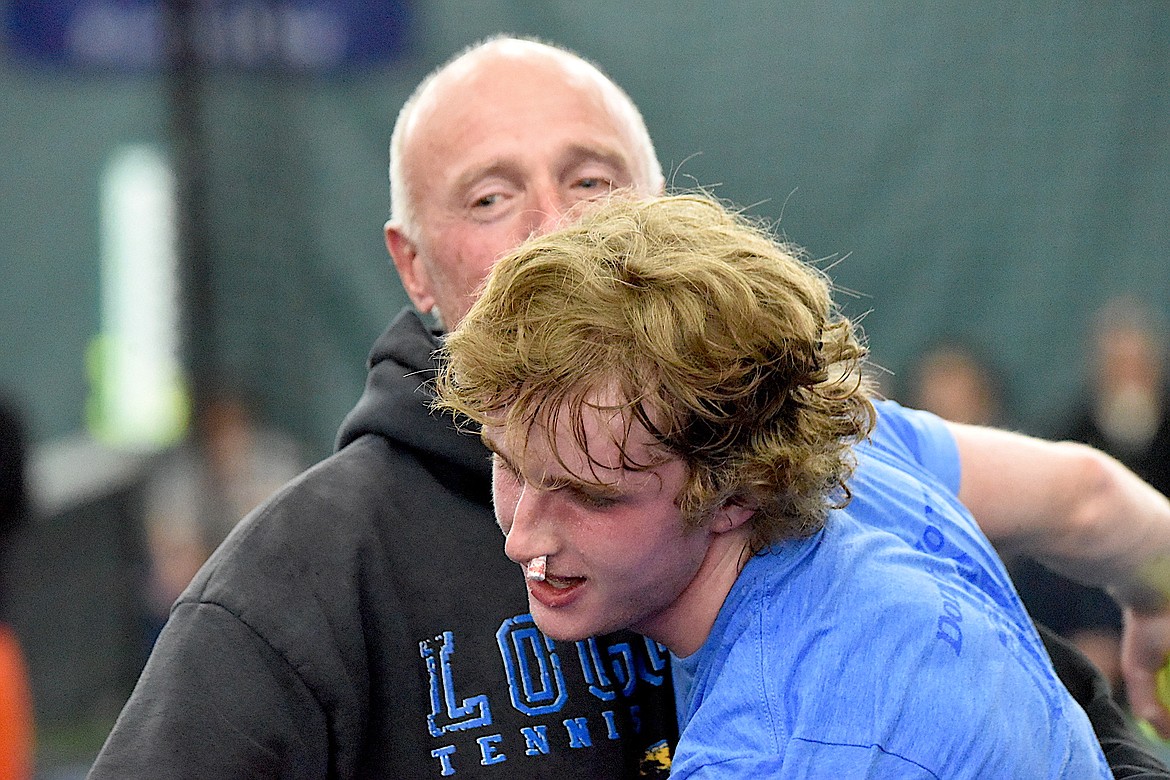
363	623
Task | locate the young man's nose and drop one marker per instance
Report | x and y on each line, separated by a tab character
527	534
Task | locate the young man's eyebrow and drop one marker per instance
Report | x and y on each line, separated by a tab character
562	482
495	450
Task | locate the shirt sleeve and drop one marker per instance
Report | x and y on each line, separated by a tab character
215	700
922	436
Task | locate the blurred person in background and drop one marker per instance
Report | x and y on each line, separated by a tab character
957	383
1125	410
363	622
16	712
231	463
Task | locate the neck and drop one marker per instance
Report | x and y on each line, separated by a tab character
686	624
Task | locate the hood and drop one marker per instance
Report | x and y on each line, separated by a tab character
396	406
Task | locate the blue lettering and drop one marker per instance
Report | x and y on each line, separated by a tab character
652	667
636	718
446	715
578	729
489	751
444	756
611	729
948	626
974	572
535	681
535	740
594	669
932	538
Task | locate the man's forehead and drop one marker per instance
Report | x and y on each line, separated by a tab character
590	442
511	59
523	56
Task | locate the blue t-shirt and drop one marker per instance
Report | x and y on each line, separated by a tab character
889	645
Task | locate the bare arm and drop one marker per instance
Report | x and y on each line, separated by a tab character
1071	506
1084	514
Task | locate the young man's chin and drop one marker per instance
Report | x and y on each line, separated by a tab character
556	629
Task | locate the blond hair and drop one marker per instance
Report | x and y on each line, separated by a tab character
717	337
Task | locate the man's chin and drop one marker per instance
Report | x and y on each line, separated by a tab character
557	630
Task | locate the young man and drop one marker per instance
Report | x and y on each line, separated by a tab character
363	623
684	444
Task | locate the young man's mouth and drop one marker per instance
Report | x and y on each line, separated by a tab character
562	583
537	571
549	589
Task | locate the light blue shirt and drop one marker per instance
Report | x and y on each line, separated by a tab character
889	645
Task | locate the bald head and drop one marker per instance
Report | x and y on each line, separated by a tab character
496	146
510	61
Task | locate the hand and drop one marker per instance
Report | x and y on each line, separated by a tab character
1145	650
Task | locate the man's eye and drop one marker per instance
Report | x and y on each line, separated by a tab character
593	183
485	201
595	500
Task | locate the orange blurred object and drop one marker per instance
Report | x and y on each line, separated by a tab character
16	712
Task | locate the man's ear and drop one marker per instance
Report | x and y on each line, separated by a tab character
411	269
734	513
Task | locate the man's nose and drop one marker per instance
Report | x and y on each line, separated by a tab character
528	535
546	209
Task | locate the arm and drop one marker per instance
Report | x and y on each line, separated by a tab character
1088	517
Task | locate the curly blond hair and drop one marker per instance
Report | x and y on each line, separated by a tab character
717	337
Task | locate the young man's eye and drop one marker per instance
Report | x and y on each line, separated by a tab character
502	466
595	500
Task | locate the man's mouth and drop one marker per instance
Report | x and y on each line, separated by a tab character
536	570
562	583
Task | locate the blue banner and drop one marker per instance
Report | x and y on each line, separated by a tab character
307	36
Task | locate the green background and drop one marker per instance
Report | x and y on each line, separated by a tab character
992	170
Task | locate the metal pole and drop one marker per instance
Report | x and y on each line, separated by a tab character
185	98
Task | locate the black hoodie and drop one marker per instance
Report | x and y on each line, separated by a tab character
364	623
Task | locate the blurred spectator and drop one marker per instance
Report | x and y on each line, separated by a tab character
957	383
16	713
205	486
1124	412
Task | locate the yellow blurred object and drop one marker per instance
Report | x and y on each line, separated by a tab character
1162	681
1162	689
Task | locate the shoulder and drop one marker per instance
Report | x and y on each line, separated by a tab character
911	433
353	541
910	442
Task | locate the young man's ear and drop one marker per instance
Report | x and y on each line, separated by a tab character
411	269
732	515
